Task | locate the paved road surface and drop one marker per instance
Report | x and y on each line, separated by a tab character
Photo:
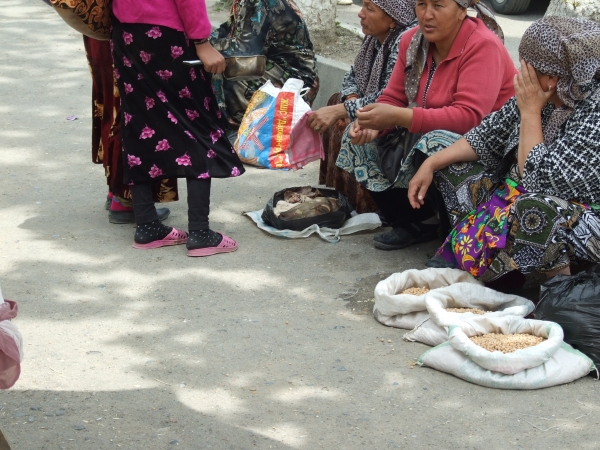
268	347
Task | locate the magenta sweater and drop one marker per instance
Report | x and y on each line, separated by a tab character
475	79
189	16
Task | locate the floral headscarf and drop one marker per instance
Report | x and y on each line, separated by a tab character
416	55
370	63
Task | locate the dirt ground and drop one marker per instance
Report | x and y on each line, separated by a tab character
344	48
272	346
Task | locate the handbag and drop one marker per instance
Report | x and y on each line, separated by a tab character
393	149
88	17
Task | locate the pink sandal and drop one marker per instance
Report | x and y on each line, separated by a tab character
227	245
175	237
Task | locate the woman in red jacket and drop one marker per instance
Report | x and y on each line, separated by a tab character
451	72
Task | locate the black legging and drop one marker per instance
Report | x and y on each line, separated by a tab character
395	208
198	198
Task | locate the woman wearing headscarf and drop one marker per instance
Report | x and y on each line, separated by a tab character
523	187
382	22
276	29
452	71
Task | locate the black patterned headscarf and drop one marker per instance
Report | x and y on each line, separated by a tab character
416	55
370	63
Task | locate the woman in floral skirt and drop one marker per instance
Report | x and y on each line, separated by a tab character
171	124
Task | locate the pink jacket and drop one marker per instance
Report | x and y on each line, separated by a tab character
189	16
475	79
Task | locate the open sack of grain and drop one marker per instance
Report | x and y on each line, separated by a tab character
527	354
449	305
396	308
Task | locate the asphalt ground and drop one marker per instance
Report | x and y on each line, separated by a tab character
272	346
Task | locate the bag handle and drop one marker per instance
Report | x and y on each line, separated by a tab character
303	91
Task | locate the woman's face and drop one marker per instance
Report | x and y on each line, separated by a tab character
374	21
548	83
440	20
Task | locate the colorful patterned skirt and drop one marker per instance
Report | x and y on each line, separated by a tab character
498	227
171	124
361	160
106	126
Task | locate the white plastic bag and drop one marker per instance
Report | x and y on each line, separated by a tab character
406	311
359	222
433	331
11	345
549	363
265	132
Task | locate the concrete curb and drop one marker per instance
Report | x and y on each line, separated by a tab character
331	75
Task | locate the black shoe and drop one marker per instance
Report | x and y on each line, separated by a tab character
122	217
401	237
437	262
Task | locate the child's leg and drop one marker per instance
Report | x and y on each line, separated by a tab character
198	203
202	240
150	233
143	203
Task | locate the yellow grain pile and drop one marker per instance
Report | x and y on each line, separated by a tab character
506	343
415	291
466	310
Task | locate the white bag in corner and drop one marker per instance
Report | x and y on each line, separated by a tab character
406	311
550	363
11	345
433	331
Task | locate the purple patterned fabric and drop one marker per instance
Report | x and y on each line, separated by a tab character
474	241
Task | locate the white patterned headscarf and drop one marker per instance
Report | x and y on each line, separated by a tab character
370	61
416	55
567	48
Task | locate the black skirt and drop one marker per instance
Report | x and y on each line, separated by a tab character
171	125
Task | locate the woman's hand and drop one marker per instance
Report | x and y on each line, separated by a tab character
531	98
213	60
420	182
361	136
325	117
380	116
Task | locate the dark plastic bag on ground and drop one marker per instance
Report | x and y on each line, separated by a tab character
333	219
574	303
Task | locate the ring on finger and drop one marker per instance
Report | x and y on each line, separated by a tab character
317	128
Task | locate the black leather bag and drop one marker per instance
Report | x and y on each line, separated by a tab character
334	219
393	149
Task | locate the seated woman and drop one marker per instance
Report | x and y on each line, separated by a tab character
523	188
273	28
451	72
382	22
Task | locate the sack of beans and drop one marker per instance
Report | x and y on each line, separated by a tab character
447	306
508	353
400	298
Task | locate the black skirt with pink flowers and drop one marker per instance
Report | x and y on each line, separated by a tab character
171	125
